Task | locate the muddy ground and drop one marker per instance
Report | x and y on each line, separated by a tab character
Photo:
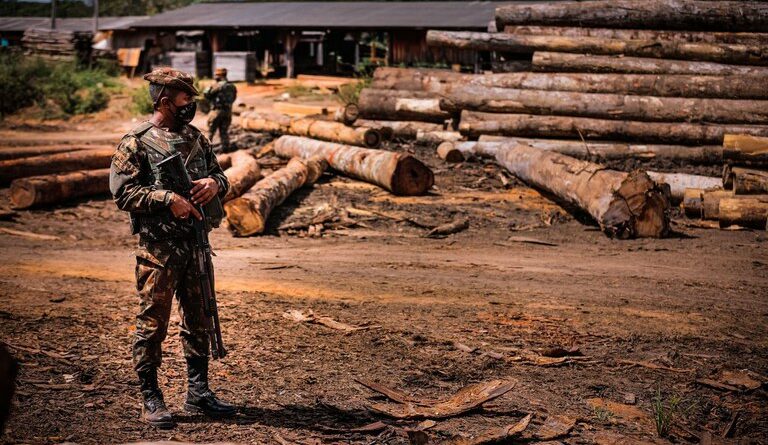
646	322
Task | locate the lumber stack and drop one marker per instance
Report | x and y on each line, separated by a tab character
57	44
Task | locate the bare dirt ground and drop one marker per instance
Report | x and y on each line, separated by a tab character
646	322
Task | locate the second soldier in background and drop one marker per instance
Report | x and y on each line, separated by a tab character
221	96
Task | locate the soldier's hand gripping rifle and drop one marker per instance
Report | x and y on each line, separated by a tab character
174	172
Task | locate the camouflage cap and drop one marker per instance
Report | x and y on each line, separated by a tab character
172	78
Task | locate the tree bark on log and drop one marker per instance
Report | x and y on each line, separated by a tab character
679	182
645	14
745	149
401	106
745	181
605	106
739	38
275	123
745	211
474	124
409	78
7	153
55	163
247	215
400	173
660	49
710	202
404	130
53	189
624	205
437	137
610	151
315	128
347	114
586	63
242	175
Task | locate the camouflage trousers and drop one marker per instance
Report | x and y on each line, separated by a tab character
165	269
219	120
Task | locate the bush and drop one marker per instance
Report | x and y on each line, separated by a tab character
142	103
349	93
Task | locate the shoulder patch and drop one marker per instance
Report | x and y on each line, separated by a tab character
124	156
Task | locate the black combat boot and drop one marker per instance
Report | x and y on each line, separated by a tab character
200	399
153	410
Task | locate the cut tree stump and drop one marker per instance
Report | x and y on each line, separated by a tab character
624	205
400	173
745	211
474	124
247	215
242	175
57	188
587	63
54	163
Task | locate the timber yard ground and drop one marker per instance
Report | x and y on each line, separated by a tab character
647	323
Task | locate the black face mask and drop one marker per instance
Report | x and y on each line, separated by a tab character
185	114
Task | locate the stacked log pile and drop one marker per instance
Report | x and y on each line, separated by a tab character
56	44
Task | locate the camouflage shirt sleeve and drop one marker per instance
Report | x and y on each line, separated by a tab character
214	169
125	181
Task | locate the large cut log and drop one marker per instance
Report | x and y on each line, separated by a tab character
276	123
745	211
409	78
53	189
644	14
38	150
55	163
605	106
475	123
725	87
609	151
437	137
405	130
710	202
679	182
242	175
400	173
745	181
661	49
548	61
247	214
401	106
745	149
624	205
741	38
315	128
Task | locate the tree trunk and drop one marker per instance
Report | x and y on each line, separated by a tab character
275	123
739	38
247	214
55	163
661	49
401	105
405	130
437	137
475	123
745	149
624	205
486	146
605	106
347	114
651	14
39	150
549	61
400	173
409	78
710	202
335	132
53	189
679	182
242	175
745	211
744	181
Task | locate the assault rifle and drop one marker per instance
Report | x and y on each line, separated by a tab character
175	174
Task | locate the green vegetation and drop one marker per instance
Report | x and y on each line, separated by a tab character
666	410
349	93
141	102
59	89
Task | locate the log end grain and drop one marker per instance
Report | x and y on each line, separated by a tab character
448	152
23	194
640	209
316	166
411	177
372	138
693	203
243	217
350	114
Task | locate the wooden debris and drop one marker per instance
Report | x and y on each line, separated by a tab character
497	435
29	235
554	427
309	316
529	240
450	228
654	366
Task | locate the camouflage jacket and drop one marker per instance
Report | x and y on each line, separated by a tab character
136	187
222	95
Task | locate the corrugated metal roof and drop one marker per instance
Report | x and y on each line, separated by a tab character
321	15
20	24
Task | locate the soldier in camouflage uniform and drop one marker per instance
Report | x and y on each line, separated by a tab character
221	96
161	218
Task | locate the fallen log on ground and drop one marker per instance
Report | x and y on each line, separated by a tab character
586	63
679	182
400	173
605	106
247	214
53	189
475	123
661	49
461	151
401	106
275	123
710	202
242	175
624	205
315	128
646	14
39	150
745	211
741	38
406	130
745	149
55	163
745	181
